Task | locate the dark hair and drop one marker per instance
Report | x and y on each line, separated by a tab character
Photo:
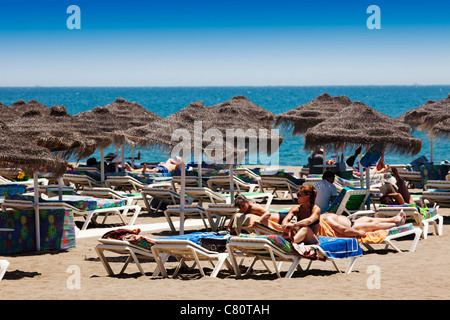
328	174
91	161
239	200
310	191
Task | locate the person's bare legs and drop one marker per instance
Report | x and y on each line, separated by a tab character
306	235
401	185
144	167
369	224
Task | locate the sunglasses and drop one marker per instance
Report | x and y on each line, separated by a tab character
299	195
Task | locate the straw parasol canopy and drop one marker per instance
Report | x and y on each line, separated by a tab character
432	117
241	113
55	130
21	107
312	113
360	124
116	116
18	151
232	114
239	107
158	134
442	129
437	120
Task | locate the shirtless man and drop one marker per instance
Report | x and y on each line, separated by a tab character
358	228
165	167
170	165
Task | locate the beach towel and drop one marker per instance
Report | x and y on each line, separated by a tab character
380	164
131	236
372	156
328	247
433	172
370	237
415	164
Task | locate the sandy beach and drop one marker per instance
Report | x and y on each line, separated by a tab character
49	275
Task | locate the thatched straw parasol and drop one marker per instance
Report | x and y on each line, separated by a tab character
55	130
19	151
230	115
358	125
116	116
21	107
432	117
240	107
440	114
442	129
234	114
241	113
312	113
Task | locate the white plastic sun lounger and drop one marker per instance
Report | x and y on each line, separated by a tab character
122	247
185	250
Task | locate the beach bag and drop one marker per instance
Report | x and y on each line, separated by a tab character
214	244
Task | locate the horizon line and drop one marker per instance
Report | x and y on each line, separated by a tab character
237	86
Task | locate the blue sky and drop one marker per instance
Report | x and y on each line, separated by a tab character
198	43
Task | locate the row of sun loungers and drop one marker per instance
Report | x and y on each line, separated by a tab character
258	248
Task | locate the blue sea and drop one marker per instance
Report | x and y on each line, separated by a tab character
390	100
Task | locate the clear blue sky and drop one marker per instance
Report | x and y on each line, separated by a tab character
198	43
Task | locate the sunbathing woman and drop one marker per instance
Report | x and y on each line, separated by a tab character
306	228
344	227
246	207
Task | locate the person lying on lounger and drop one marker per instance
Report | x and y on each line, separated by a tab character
265	216
306	228
344	227
401	187
170	165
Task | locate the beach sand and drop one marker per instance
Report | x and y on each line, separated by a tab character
49	275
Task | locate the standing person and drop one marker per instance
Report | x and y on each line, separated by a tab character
316	158
326	191
307	213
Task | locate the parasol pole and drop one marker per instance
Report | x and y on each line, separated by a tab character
36	211
102	166
199	168
60	182
132	155
324	161
361	170
183	190
123	156
231	184
431	149
117	154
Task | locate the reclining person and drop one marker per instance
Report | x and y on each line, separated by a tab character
257	214
342	226
172	164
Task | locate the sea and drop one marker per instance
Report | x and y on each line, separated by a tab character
390	100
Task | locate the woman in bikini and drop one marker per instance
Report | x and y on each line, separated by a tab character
246	207
306	228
